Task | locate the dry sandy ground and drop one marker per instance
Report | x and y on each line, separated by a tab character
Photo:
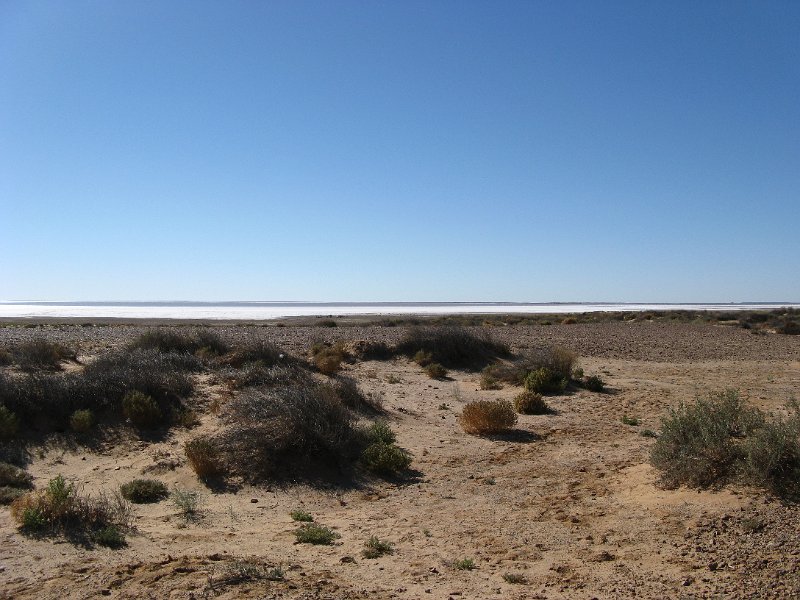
568	501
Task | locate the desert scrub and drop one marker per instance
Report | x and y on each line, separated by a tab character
311	533
204	342
435	371
452	346
632	421
264	353
489	381
141	410
515	578
545	381
144	491
204	457
772	456
380	432
62	509
40	354
375	548
81	421
559	361
699	444
422	358
484	417
531	403
301	516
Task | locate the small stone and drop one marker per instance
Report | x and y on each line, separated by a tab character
253	500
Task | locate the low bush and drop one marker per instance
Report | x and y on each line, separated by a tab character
187	503
375	548
545	381
464	564
699	444
144	491
110	536
489	381
204	341
301	516
593	383
81	421
483	417
265	353
370	350
559	362
6	358
772	457
531	403
435	371
326	358
452	346
423	358
260	373
385	459
379	432
289	431
141	410
204	457
311	533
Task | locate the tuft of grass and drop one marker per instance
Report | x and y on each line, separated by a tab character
301	516
489	381
144	491
311	533
375	548
380	432
531	403
326	358
464	564
632	421
648	433
484	417
203	455
515	578
39	354
110	536
392	378
187	503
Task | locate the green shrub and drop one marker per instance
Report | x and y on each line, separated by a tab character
772	457
423	358
699	443
558	361
301	516
187	503
626	420
375	548
204	341
110	536
436	371
593	383
515	578
204	457
311	533
531	403
81	421
265	353
9	424
141	409
385	459
464	564
545	381
380	432
483	417
144	491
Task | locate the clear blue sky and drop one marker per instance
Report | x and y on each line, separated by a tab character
430	150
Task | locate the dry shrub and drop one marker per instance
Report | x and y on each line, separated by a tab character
545	381
484	417
531	403
289	431
328	358
264	353
41	354
81	421
204	341
141	409
370	350
144	491
204	457
435	371
453	346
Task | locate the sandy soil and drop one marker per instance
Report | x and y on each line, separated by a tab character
568	500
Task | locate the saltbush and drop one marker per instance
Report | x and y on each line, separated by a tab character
144	491
531	403
452	346
141	409
545	381
81	421
385	459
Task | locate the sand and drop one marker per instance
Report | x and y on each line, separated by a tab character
569	501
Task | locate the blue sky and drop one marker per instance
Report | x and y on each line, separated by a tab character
431	150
